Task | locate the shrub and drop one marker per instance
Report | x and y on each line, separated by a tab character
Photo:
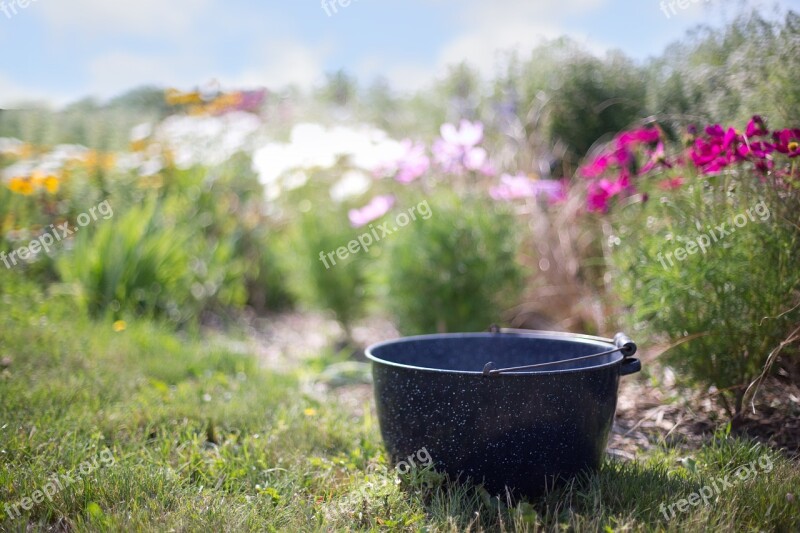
705	244
456	271
145	262
338	287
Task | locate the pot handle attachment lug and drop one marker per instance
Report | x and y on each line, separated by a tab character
630	365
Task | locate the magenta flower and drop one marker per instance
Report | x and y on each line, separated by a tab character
657	157
601	192
521	186
756	127
709	154
596	168
379	206
413	163
629	139
787	142
597	198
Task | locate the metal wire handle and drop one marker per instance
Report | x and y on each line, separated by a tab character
623	343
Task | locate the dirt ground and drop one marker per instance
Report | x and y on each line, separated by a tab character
654	407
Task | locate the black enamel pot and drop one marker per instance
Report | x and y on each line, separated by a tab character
513	409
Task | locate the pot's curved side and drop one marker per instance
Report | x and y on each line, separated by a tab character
514	430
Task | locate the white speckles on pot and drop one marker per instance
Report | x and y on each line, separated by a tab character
519	429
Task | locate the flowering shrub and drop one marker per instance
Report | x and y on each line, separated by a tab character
705	242
640	153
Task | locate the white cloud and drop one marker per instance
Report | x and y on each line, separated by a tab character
14	95
486	33
278	63
143	17
511	25
114	72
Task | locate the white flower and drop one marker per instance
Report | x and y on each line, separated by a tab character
353	183
141	132
206	140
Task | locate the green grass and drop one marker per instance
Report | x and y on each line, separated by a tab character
205	439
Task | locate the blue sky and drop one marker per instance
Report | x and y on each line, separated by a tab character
59	50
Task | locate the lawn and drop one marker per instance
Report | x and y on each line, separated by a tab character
191	273
148	429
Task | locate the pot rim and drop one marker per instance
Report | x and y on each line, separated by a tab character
534	334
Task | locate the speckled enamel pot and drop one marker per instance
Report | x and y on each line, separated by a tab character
522	429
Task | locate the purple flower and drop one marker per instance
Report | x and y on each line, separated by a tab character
379	206
251	100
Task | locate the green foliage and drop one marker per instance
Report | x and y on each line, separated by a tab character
131	264
591	98
750	66
734	300
455	271
337	285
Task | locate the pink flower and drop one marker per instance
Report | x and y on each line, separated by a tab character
468	135
597	199
457	150
600	192
657	157
447	156
413	163
671	183
251	100
597	167
632	138
475	158
379	206
521	186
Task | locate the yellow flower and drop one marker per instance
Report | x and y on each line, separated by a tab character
309	411
156	181
108	161
120	325
26	151
22	186
138	145
51	184
175	97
